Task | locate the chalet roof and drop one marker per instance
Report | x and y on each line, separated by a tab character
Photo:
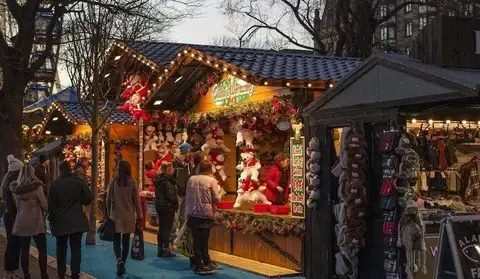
267	64
75	110
66	95
386	79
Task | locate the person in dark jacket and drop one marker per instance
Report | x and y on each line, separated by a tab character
183	171
42	173
12	252
68	195
166	203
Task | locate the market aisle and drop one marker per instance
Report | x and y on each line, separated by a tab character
99	262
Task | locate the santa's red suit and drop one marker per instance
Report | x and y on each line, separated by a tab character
250	163
167	158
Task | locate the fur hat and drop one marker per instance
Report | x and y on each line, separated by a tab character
355	188
356	211
355	140
14	164
358	155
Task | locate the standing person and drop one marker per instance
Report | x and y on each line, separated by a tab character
166	203
30	220
81	168
68	222
123	204
201	195
42	173
277	179
183	171
12	251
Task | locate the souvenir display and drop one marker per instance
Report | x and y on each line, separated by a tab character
313	173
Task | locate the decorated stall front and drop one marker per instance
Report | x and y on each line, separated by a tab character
400	140
240	108
63	118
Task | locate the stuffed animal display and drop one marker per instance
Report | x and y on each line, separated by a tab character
150	139
249	191
218	161
249	166
246	132
313	172
136	89
350	211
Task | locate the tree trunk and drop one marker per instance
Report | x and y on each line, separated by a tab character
11	108
91	235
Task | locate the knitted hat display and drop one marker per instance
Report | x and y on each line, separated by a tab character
356	211
412	236
355	140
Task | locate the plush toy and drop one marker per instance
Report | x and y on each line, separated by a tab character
313	145
233	127
169	132
245	132
136	84
196	139
313	197
218	161
257	196
249	166
160	136
268	123
150	139
243	194
210	143
164	155
217	134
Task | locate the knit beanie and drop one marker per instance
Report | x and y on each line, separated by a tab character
14	164
185	147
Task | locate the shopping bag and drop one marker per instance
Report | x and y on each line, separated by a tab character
185	243
107	230
138	246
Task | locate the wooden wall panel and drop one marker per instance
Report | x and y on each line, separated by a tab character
220	239
129	153
81	129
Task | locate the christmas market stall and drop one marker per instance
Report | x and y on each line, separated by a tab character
400	140
64	117
241	108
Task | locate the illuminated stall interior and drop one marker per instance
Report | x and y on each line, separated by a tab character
222	100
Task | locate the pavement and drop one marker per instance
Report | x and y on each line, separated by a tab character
98	261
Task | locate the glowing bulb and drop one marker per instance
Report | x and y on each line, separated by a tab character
216	65
430	121
448	121
464	122
225	69
414	120
309	85
265	83
330	85
288	84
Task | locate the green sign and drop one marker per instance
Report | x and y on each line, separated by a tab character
297	176
231	91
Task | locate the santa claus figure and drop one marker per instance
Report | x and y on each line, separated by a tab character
277	180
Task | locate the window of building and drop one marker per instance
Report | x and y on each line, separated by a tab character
408	50
409	29
383	33
423	22
391	33
451	13
408	8
469	10
383	10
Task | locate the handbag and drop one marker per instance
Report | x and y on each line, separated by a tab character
107	229
388	187
388	203
388	141
138	245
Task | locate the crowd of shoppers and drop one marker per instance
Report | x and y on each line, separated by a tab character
186	192
23	194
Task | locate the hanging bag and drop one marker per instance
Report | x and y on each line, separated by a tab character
107	229
138	245
388	142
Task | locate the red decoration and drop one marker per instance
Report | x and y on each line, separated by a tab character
134	93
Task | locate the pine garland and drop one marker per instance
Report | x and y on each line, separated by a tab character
117	149
261	225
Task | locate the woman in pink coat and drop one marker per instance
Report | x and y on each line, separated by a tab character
30	220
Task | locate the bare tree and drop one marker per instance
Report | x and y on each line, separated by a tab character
18	69
89	34
351	23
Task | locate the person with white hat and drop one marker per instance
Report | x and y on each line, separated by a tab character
12	252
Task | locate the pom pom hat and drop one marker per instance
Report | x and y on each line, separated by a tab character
13	163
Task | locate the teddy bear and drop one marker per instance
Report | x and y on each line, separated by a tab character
313	145
257	196
268	123
313	197
164	155
169	132
217	133
245	132
218	161
160	136
150	139
249	166
210	143
243	193
233	127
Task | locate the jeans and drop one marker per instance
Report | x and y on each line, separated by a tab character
11	259
201	233
179	219
41	242
166	216
75	240
121	246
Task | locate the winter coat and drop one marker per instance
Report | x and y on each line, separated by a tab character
126	205
68	194
7	195
31	207
182	174
272	179
166	191
202	193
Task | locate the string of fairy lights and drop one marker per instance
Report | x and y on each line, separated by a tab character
211	61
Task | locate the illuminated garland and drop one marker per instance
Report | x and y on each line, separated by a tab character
279	106
261	225
203	84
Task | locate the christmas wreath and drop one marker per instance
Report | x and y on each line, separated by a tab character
261	225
